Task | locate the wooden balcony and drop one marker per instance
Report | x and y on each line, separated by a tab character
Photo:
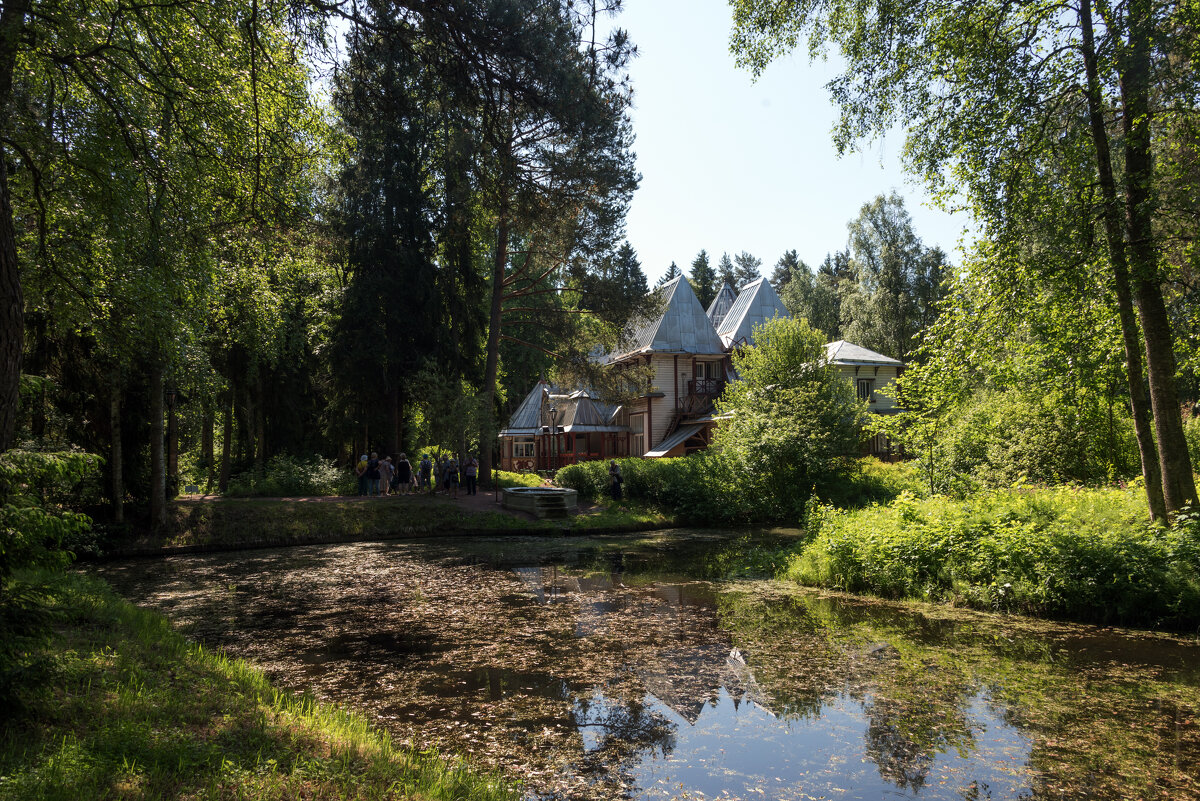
706	387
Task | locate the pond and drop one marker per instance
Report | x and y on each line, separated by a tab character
619	668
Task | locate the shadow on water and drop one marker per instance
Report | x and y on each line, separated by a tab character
614	668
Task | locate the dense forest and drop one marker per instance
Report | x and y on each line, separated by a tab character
289	229
244	234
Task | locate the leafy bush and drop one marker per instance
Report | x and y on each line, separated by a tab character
712	488
869	480
507	479
793	422
999	438
1082	554
289	476
1191	433
37	532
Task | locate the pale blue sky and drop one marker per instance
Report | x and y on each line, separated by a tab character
730	165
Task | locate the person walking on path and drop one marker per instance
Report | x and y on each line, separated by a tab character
452	477
426	472
615	480
373	474
471	473
403	475
360	470
385	476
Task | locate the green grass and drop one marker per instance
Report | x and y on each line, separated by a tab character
271	522
1067	552
130	709
507	479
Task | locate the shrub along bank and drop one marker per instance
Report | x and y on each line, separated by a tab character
136	711
716	488
1083	554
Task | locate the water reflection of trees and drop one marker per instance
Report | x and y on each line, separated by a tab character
610	664
913	712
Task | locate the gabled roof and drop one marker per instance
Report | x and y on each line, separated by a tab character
720	305
756	304
577	411
683	326
843	352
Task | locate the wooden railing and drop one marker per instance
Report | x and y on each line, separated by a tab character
706	387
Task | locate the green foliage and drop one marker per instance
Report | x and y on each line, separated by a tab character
997	438
710	489
703	488
1004	437
1088	555
792	420
869	480
37	533
703	278
503	478
1191	432
131	712
34	533
290	476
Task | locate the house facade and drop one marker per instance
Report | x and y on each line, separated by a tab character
688	352
868	372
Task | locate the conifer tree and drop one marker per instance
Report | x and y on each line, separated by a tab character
703	279
747	269
671	274
726	274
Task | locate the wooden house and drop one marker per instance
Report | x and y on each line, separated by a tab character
868	372
688	352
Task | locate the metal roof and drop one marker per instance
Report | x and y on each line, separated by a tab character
756	304
527	417
577	411
720	305
683	326
680	436
843	352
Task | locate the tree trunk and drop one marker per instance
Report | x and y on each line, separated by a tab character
260	423
172	449
226	441
12	300
1115	235
158	462
397	443
492	366
1179	488
207	422
116	461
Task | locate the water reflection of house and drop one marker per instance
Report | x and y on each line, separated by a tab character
681	660
688	353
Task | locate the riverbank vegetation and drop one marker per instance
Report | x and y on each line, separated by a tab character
137	711
1069	552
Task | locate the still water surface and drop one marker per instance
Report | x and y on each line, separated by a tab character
612	668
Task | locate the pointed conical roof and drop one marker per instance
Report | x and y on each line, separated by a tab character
683	327
527	418
720	305
756	304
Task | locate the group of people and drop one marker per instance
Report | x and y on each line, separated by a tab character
400	477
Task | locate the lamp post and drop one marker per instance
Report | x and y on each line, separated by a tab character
554	437
172	445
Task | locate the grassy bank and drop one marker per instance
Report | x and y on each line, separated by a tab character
1081	554
267	522
127	708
